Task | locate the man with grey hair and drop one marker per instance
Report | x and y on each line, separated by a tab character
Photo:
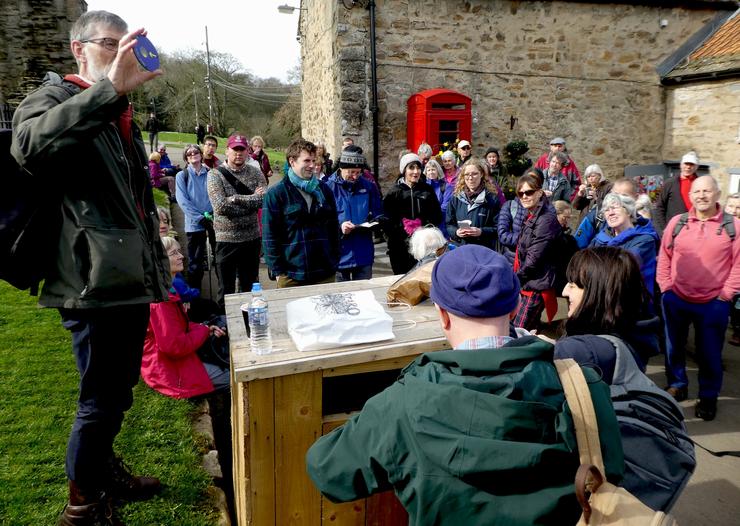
699	274
425	153
107	262
674	197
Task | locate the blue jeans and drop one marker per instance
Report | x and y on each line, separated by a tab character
355	273
108	344
710	323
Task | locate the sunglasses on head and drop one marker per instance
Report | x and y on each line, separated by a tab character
528	193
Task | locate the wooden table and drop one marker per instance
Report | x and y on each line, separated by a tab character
281	401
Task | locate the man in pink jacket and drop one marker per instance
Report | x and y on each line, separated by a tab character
699	273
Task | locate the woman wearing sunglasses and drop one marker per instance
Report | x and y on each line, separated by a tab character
534	259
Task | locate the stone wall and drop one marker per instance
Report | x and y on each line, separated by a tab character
574	69
320	118
705	117
35	39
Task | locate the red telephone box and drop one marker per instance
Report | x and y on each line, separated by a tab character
438	116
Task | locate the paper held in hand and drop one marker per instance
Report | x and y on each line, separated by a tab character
336	320
367	224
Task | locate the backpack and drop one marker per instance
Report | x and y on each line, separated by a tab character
727	224
658	453
30	221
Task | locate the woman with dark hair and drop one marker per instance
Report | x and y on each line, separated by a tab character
534	260
606	294
410	204
472	213
510	221
608	328
499	174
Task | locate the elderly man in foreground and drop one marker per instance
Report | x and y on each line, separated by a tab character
108	262
476	435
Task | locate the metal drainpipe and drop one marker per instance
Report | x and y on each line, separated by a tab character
374	86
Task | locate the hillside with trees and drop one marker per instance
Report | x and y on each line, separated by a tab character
241	101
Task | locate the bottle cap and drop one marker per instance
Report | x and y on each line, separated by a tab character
256	287
146	53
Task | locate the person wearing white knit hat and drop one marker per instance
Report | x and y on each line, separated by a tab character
410	204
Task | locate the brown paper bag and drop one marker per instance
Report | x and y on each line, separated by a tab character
413	287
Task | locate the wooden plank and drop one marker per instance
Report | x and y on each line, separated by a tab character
384	509
297	426
369	367
345	513
240	437
331	421
261	457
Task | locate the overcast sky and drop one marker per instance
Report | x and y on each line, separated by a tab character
262	39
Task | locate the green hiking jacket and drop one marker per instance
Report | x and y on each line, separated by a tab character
108	252
469	437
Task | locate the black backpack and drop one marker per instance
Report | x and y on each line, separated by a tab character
659	456
727	224
30	221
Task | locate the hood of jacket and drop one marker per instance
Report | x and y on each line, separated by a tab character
643	227
476	411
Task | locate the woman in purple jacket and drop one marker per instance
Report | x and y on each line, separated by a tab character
534	260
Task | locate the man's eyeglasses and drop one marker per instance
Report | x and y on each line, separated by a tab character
528	193
111	44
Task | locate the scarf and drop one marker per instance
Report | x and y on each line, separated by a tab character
310	186
472	194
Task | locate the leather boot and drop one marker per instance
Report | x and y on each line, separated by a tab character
126	486
88	509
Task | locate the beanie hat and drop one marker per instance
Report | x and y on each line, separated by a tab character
351	159
491	150
407	160
475	282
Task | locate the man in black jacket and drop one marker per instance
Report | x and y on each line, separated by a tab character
674	198
152	126
108	263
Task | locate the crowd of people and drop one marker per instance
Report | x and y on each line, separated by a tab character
633	272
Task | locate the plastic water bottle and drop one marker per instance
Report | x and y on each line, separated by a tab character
259	322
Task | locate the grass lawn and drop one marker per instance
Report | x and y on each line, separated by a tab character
39	390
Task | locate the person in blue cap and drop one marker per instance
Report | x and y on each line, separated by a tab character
475	435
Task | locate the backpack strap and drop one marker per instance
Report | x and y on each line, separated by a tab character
582	410
682	220
240	187
728	223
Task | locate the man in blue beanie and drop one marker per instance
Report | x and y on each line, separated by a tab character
476	435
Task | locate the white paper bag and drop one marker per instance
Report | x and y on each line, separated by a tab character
335	320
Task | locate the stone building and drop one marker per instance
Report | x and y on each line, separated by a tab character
533	69
703	101
35	39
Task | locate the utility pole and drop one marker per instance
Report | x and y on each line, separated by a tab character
195	99
210	86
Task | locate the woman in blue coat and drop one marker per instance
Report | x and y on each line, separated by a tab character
472	213
625	229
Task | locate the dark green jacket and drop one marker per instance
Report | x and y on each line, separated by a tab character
108	251
469	437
